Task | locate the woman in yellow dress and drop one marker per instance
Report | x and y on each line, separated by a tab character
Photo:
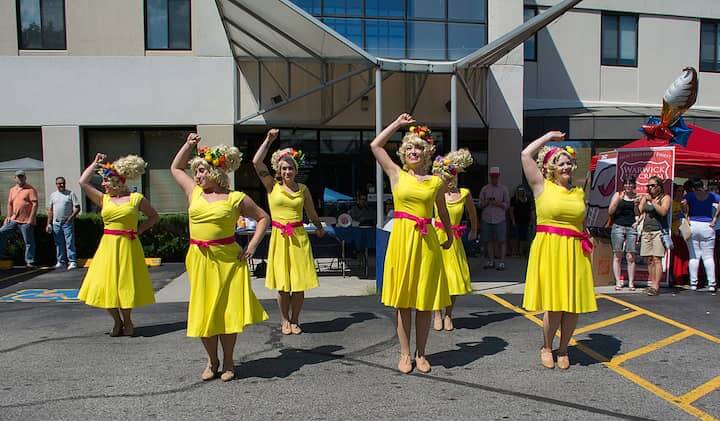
290	265
559	275
413	277
118	279
458	200
222	302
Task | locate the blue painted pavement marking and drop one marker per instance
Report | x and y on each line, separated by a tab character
41	296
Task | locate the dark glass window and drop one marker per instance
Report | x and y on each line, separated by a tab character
167	24
349	28
464	38
311	6
41	24
470	10
426	40
619	40
709	47
385	8
385	38
429	9
530	45
342	8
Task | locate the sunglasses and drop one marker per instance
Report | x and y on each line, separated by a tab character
652	185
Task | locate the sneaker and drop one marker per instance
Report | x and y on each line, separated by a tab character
72	266
500	266
489	265
58	265
693	287
711	289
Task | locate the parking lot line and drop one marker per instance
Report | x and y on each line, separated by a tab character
683	402
608	322
651	347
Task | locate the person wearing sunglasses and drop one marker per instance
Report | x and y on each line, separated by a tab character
654	208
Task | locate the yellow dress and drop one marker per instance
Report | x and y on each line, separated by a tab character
454	258
118	276
290	265
413	276
221	296
559	274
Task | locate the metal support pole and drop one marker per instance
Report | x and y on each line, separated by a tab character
378	129
453	113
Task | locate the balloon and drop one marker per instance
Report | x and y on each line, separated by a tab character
679	97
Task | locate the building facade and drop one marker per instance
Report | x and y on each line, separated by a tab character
135	76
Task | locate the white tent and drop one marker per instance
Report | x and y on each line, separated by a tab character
27	164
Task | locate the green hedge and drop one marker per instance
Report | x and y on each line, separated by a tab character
168	239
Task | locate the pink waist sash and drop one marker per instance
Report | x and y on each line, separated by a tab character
421	224
567	232
207	243
131	234
287	229
458	230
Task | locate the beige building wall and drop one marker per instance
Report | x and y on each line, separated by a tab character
105	27
8	28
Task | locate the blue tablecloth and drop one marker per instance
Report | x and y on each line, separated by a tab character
359	238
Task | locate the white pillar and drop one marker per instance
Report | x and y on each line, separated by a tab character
378	169
453	113
219	134
62	157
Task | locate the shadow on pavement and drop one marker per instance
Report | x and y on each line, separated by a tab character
289	361
605	345
337	325
468	352
157	330
480	320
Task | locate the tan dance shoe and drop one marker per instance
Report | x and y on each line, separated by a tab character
227	375
546	358
295	329
209	373
422	364
405	364
563	362
448	324
285	328
438	322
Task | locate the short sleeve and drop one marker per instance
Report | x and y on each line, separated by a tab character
135	199
236	197
75	201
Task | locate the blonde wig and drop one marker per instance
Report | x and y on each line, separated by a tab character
218	162
125	168
412	139
548	157
289	155
447	167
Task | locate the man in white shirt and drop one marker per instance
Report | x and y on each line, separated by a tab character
62	210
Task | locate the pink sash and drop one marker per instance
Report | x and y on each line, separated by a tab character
124	233
421	224
458	230
287	229
584	238
207	243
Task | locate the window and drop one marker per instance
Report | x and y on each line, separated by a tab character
385	8
342	7
467	10
432	9
709	46
311	6
349	28
619	40
464	38
426	40
167	24
530	44
41	24
385	38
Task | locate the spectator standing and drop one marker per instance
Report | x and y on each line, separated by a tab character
702	216
21	214
62	210
522	214
361	212
654	208
494	201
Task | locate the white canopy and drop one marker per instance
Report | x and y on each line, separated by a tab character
27	164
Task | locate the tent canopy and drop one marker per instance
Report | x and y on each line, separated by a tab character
330	195
701	155
27	164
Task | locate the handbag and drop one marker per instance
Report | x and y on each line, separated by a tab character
684	229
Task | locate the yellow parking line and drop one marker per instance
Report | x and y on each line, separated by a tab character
640	381
651	347
608	322
701	391
661	318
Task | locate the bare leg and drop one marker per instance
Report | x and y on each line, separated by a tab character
128	328
284	306
617	269
211	347
551	323
117	327
296	303
631	269
228	346
404	324
567	327
422	329
448	314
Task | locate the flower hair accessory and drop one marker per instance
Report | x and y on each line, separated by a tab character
444	165
297	155
214	157
107	170
568	149
423	132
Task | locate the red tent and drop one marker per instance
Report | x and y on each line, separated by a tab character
701	156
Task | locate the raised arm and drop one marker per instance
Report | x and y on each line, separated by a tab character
95	195
472	214
179	163
251	210
444	217
527	157
152	216
312	214
378	146
259	160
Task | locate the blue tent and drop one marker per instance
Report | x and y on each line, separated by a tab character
330	195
